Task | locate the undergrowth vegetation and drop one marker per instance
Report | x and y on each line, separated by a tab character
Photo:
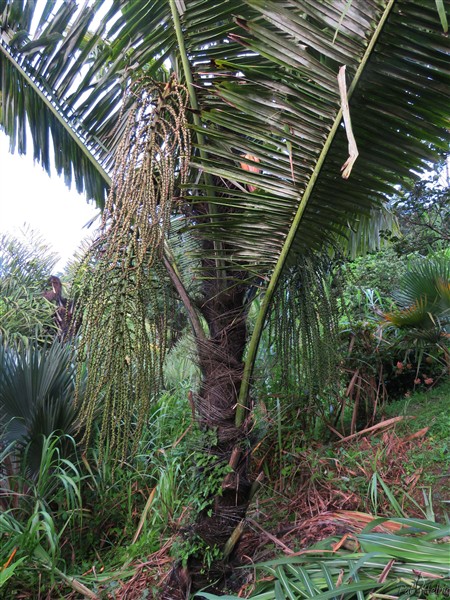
380	558
76	525
370	441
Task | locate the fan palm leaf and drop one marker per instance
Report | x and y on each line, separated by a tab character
37	395
424	296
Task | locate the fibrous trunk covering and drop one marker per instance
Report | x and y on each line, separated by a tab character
220	358
222	367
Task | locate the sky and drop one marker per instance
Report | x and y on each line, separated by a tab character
28	196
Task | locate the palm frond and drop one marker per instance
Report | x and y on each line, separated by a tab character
66	79
35	78
414	559
25	267
37	395
272	93
265	113
265	77
424	296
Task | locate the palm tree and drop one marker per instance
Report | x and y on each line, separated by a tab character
247	91
422	315
37	393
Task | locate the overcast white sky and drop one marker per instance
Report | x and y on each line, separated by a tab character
29	196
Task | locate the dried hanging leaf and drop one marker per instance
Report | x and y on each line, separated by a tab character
352	147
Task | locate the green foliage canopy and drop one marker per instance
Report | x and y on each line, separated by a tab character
25	266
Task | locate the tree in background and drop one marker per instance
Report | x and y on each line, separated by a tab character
403	286
217	127
423	213
26	264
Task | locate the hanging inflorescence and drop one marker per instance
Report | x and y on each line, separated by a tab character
124	295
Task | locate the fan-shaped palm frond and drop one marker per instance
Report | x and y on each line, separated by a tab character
424	296
37	393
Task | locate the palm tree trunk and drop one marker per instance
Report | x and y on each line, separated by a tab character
221	363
